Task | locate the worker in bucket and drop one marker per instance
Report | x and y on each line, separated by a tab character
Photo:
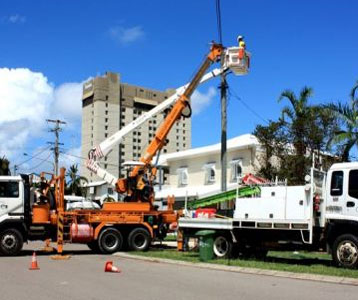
242	46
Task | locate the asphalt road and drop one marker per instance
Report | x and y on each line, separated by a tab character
83	277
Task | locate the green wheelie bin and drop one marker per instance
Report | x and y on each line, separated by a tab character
206	241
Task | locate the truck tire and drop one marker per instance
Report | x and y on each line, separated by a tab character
93	246
222	246
11	242
110	240
345	251
139	239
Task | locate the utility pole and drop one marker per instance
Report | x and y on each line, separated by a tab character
223	89
56	144
15	169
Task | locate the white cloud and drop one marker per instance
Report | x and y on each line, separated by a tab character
14	19
68	101
27	99
125	36
199	101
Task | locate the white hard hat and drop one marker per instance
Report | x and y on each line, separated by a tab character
240	37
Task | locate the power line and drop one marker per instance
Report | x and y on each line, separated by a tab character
42	161
233	94
83	158
218	21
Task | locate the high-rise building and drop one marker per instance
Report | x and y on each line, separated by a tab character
108	105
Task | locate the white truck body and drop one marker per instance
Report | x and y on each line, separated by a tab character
323	213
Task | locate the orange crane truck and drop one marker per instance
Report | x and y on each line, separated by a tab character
132	223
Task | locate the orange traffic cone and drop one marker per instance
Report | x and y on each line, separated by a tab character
34	265
110	268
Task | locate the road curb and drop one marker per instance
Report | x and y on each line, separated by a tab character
254	271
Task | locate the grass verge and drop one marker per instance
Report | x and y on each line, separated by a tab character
301	262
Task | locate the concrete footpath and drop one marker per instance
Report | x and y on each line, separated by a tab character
236	269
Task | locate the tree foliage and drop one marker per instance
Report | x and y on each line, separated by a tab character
74	186
345	137
289	142
4	166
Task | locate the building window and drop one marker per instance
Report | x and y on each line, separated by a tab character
106	127
106	112
106	104
209	170
106	135
106	120
105	166
106	97
183	176
236	170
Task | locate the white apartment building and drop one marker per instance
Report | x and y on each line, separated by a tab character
108	105
196	172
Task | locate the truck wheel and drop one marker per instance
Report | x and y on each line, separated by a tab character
139	239
11	242
222	246
110	240
93	246
260	253
345	251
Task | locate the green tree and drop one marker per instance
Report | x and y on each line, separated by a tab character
301	130
347	136
4	166
74	186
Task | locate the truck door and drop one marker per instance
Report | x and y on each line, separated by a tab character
351	203
10	198
335	197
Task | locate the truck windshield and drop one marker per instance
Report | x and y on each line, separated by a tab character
9	189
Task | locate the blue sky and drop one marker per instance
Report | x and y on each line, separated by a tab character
159	44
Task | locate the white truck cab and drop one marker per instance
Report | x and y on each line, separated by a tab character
11	197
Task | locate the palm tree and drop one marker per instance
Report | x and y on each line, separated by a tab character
74	184
347	114
4	166
299	114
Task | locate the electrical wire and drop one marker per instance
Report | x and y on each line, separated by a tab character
42	161
233	94
218	21
34	156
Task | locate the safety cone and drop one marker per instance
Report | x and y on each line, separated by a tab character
110	268
34	265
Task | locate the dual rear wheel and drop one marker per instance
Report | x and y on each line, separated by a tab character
111	240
